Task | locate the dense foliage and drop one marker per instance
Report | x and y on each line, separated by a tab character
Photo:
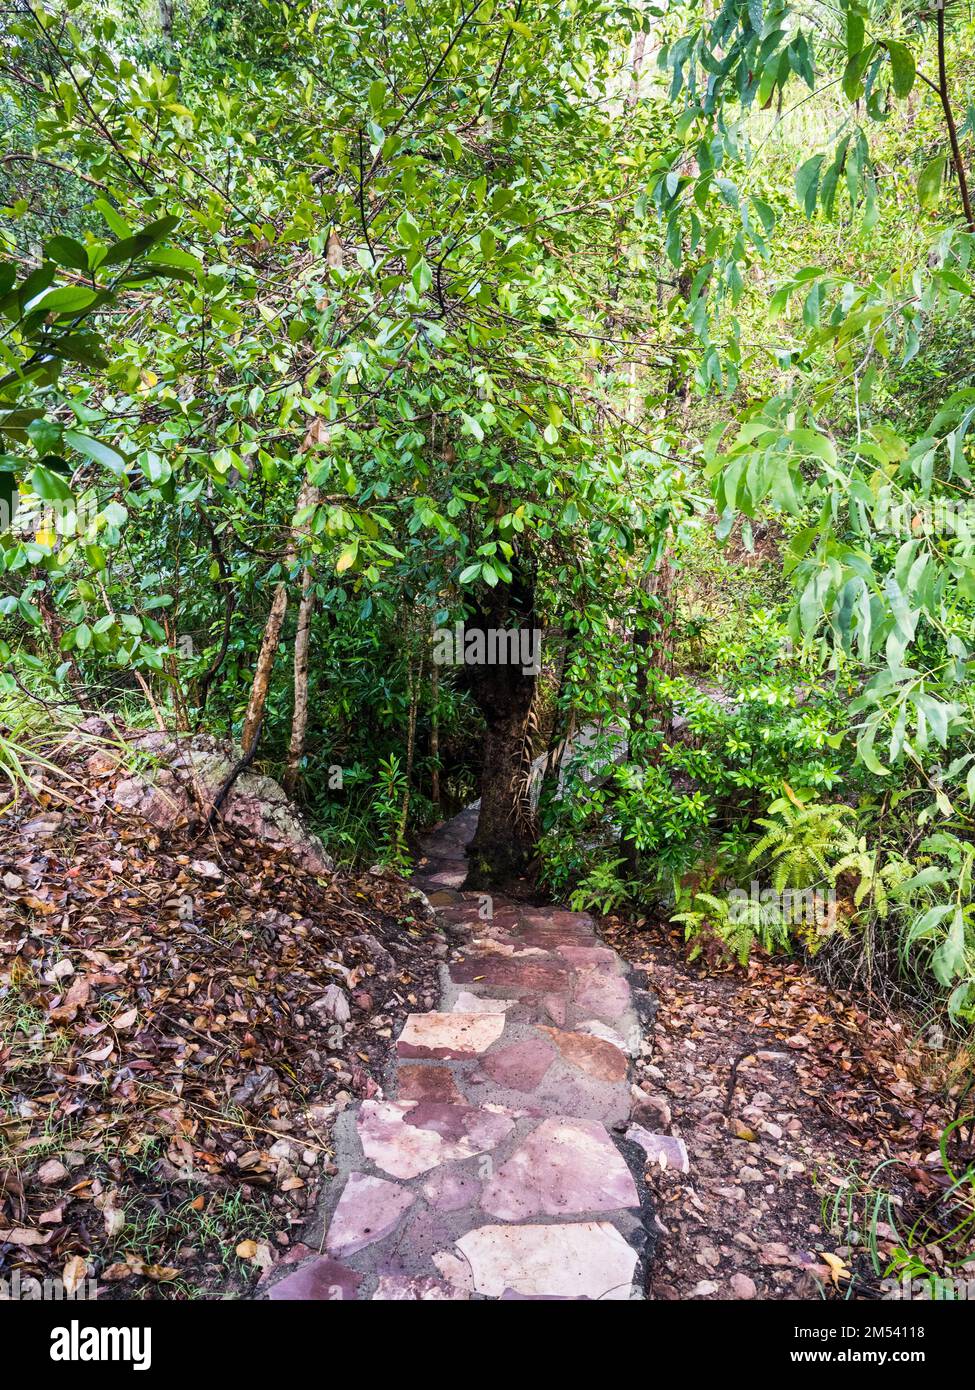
647	326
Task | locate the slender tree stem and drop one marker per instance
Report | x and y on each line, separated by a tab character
966	201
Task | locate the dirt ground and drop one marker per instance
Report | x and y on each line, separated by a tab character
812	1131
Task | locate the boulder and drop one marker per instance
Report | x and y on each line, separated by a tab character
179	778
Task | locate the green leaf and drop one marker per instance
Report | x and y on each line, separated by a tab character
407	230
67	299
95	450
929	182
902	67
66	251
48	486
807	183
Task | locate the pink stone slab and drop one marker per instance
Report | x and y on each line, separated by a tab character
467	1003
414	1081
584	1259
406	1138
602	994
416	1288
449	1035
449	1190
563	1168
520	1066
589	955
592	1055
321	1280
524	973
551	938
368	1210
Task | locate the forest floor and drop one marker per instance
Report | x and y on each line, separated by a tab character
812	1129
181	1019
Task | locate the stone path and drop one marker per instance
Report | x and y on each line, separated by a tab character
494	1165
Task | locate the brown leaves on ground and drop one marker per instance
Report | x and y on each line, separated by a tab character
179	1023
797	1108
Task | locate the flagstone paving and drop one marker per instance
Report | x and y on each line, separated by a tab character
498	1162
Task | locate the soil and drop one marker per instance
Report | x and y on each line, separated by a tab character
812	1129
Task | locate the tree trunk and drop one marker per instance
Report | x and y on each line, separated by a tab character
261	684
504	841
299	717
166	17
414	688
435	738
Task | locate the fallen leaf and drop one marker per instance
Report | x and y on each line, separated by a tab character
837	1268
74	1272
21	1235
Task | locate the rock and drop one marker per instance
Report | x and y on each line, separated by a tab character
368	1210
449	1035
651	1111
406	1138
748	1174
188	774
742	1286
51	1172
664	1150
563	1168
321	1279
704	1289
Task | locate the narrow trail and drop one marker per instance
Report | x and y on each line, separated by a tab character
499	1162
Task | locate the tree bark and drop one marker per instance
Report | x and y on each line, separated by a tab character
435	737
504	841
261	684
265	665
299	717
414	689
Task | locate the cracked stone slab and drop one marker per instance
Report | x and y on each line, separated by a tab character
581	1259
368	1210
406	1138
605	996
449	1035
565	1167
